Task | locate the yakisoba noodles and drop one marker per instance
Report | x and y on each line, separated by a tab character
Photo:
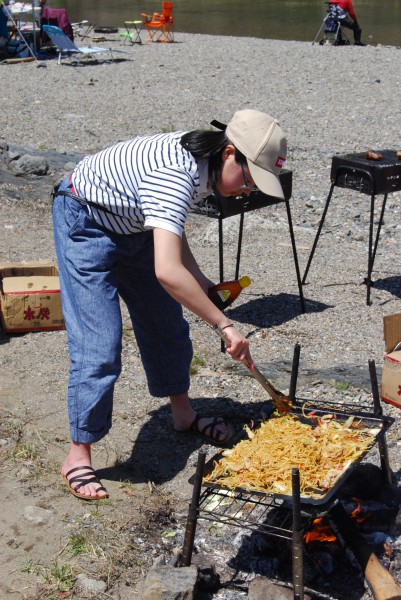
264	461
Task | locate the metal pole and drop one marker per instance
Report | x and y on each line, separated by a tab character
294	251
240	232
382	443
318	232
297	538
294	372
193	512
9	14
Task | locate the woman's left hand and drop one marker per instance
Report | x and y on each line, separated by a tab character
237	346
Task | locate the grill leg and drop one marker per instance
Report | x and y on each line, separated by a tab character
373	249
294	251
221	265
294	371
382	443
318	232
240	232
297	539
192	520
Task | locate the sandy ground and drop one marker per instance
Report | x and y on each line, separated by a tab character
146	466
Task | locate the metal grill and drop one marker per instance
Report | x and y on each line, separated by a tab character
356	172
264	512
219	207
372	177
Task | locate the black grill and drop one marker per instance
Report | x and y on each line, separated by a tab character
217	206
356	172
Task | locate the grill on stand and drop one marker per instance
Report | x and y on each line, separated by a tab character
257	511
367	176
218	207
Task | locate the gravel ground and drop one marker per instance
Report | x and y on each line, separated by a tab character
328	101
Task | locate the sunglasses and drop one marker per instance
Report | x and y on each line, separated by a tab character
247	187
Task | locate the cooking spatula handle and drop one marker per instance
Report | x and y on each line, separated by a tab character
280	401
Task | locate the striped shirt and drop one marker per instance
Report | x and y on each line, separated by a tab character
142	183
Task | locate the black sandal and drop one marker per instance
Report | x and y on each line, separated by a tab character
88	477
209	431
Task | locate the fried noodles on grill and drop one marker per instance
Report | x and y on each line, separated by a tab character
264	462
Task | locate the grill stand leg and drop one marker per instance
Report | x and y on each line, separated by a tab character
221	265
372	245
373	249
318	232
294	252
382	443
192	520
297	538
294	372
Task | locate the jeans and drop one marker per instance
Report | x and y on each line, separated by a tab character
97	268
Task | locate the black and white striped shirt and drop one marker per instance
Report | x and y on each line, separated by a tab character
143	183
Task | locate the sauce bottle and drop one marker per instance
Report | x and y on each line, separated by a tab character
223	294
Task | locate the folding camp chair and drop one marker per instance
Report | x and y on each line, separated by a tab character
159	27
66	47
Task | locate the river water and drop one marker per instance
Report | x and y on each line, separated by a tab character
276	19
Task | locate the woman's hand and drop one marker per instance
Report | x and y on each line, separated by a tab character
237	346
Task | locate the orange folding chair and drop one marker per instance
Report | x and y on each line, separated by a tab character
159	27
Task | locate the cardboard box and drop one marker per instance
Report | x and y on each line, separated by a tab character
30	297
391	376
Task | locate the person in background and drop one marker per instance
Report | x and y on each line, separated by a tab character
119	223
349	20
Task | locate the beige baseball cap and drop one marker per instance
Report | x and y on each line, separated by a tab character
260	138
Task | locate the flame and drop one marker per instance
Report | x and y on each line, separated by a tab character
359	518
320	532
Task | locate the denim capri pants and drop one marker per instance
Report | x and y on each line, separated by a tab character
97	268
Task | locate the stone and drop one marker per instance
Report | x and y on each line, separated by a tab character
37	515
92	586
164	582
261	588
29	165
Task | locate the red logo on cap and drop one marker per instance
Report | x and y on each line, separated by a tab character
280	162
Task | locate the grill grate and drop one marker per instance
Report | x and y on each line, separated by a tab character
247	510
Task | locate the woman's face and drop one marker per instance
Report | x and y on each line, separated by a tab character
233	176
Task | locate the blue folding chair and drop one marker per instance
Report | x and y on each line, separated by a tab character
67	48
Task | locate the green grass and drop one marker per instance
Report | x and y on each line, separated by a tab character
60	577
341	385
77	545
197	361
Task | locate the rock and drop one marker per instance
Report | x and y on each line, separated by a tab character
29	165
164	582
37	515
92	586
262	588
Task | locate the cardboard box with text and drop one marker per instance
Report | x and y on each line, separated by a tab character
30	297
391	376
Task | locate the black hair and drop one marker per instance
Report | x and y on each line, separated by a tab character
209	145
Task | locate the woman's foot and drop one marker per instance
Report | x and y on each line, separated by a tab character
185	418
79	475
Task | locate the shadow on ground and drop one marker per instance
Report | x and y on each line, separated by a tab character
159	453
274	310
389	284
